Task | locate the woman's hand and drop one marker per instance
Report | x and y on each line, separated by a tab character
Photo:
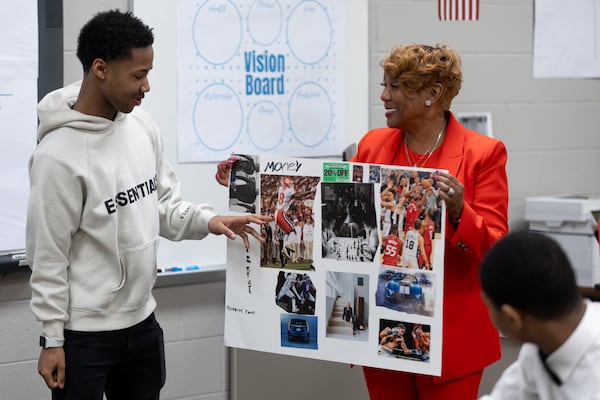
224	170
451	190
232	226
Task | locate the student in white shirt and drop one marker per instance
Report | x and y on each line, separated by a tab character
529	288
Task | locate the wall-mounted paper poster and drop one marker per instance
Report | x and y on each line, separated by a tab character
18	99
573	50
260	76
352	265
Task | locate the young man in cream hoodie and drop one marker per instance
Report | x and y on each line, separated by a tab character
102	192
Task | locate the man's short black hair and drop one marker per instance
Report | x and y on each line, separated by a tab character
531	272
111	35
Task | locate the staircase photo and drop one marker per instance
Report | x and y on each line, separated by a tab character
337	325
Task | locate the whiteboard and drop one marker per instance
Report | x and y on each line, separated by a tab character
197	179
18	122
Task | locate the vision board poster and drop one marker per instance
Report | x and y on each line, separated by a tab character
352	267
249	72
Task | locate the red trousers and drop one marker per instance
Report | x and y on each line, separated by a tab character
384	384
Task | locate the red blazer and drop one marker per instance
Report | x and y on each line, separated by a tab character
470	342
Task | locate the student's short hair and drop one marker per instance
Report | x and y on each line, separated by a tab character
111	35
531	272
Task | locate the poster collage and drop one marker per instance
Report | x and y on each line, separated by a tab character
351	269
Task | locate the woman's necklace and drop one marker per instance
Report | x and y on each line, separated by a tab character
427	155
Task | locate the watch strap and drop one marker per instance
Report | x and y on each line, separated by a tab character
47	342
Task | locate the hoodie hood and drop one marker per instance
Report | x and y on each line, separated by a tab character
55	111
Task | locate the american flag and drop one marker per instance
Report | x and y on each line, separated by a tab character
455	10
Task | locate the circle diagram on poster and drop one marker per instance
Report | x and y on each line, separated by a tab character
223	20
265	125
309	46
265	21
214	103
314	130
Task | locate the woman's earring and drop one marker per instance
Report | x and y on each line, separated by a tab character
427	103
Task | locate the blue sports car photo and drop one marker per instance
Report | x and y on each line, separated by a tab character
402	287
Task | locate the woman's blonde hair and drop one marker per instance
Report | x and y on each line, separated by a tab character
416	67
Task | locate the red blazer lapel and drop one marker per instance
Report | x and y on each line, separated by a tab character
452	150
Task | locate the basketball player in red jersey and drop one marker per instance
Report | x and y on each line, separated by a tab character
428	233
392	247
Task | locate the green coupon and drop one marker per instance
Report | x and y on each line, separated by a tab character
336	172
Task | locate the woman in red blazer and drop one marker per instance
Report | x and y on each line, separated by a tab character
418	87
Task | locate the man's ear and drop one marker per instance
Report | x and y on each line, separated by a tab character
512	317
99	68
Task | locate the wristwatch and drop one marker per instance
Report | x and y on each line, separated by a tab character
47	342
